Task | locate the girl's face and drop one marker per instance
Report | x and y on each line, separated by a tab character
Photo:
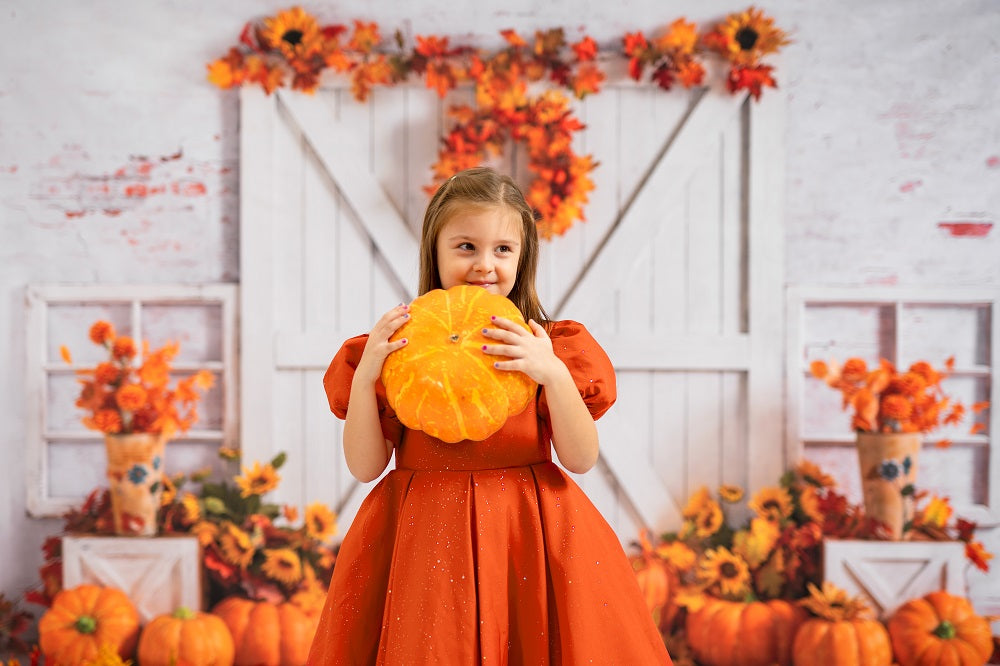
480	247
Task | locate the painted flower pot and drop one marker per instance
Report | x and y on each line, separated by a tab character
135	478
888	463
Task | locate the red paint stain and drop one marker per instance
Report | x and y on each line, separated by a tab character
75	213
144	168
190	189
993	162
112	212
910	186
137	190
966	229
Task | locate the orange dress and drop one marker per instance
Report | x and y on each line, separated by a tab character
484	552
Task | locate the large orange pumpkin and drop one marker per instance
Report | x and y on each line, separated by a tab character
939	628
441	382
732	633
186	637
267	634
658	582
84	618
843	633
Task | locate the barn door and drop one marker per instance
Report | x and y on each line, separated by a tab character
678	272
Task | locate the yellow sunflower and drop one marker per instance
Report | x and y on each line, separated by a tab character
677	554
205	531
811	473
730	571
756	543
745	37
696	503
709	520
192	509
321	522
236	546
258	480
772	504
809	503
730	493
282	565
294	32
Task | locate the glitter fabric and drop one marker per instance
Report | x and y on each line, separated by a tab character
484	552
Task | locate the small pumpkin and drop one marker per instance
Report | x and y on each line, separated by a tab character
268	634
658	582
843	633
186	637
441	382
82	619
940	628
734	633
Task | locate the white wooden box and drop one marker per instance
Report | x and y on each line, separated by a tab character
157	573
887	574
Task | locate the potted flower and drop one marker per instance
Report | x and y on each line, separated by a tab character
131	399
892	410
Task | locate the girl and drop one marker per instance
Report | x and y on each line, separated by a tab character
482	552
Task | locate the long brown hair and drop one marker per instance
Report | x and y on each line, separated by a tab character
482	187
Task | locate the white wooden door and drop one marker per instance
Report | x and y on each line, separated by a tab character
678	272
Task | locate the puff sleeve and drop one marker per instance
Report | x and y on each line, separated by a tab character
588	364
337	382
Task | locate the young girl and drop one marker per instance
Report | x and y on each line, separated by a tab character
482	552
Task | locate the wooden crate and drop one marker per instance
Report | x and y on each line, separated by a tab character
889	573
157	573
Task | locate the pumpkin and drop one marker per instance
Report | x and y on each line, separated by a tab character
939	628
442	382
843	634
186	637
732	633
82	619
658	582
268	634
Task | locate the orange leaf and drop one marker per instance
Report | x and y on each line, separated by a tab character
64	353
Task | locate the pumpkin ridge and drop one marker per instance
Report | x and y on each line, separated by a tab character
457	409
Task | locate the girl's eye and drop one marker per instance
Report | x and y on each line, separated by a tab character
504	249
465	246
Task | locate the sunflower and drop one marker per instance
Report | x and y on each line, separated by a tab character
321	522
236	546
293	32
282	565
192	509
709	520
834	604
812	474
206	532
744	38
809	503
678	554
730	493
772	504
258	480
696	503
728	570
755	544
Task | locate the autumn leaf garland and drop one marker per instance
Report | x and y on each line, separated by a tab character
292	48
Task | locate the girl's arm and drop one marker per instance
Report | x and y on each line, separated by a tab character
366	450
574	433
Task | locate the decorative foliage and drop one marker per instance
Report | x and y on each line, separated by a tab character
292	45
120	396
13	623
249	548
884	399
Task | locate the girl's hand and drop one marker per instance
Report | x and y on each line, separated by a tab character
378	346
528	352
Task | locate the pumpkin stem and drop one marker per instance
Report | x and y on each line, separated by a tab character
85	624
945	630
184	613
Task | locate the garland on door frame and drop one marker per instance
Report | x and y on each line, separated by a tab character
293	45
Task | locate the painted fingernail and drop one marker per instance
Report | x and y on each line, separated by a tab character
496	365
493	318
484	347
406	316
484	331
404	341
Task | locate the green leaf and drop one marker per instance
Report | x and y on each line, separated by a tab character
279	460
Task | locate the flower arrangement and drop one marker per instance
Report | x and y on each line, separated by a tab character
294	45
885	399
769	549
125	395
250	548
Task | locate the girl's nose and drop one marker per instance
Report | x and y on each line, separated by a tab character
483	264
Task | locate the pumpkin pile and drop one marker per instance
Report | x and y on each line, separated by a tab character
90	624
442	382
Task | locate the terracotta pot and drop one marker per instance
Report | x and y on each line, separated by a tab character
888	465
135	478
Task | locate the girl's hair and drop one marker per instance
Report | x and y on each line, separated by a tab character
482	187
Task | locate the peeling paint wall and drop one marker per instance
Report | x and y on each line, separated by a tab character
118	162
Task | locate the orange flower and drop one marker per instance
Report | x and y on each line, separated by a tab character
811	473
236	546
730	572
107	373
290	512
105	420
321	522
123	348
258	480
282	565
130	397
978	555
772	504
895	407
854	370
709	520
730	493
102	332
